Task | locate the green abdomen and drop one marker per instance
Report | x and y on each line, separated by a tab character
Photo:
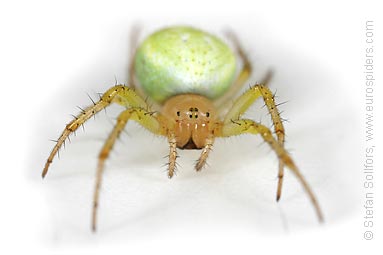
181	60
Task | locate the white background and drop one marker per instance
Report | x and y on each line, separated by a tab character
53	53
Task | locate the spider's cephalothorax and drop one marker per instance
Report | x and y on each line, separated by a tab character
192	117
190	74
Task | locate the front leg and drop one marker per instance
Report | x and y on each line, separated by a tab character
172	154
244	126
204	154
241	105
119	94
141	116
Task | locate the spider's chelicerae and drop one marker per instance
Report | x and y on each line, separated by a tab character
190	75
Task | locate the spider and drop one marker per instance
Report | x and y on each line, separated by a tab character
190	75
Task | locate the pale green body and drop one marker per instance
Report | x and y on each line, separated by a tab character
180	60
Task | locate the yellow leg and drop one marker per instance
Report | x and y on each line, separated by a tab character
244	102
147	120
204	154
242	126
172	154
119	94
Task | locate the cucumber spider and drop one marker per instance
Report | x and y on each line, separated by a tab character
190	74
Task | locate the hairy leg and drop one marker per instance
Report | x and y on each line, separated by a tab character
119	94
147	120
172	154
245	101
204	154
243	126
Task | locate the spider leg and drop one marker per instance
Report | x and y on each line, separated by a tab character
243	75
172	154
119	94
245	101
204	154
243	126
143	117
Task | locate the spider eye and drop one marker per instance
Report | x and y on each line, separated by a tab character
178	113
208	114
